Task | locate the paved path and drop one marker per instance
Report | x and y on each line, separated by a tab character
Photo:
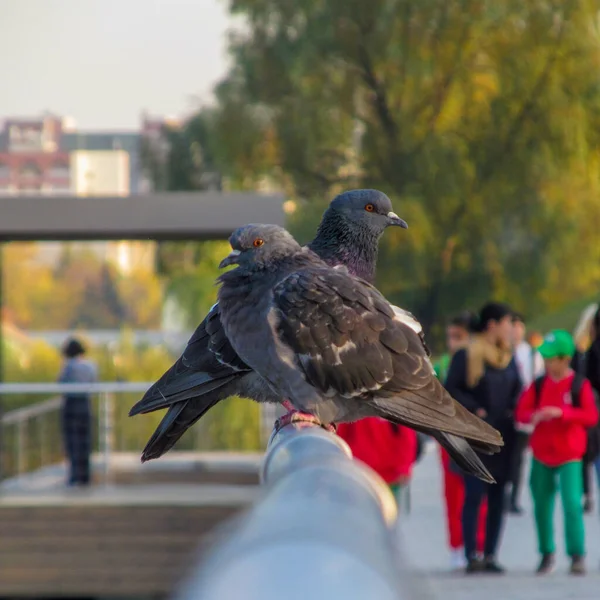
424	540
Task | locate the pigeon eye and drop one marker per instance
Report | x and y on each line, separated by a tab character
369	208
257	243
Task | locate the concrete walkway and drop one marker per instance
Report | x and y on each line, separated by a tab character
423	535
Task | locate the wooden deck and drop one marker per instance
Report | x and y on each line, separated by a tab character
129	539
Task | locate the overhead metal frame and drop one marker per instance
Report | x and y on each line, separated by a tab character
158	217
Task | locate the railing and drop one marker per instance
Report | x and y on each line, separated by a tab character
324	529
31	437
32	434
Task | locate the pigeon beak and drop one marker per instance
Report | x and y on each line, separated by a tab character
394	219
230	259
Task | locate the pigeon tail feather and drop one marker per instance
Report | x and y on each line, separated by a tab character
165	394
179	418
464	456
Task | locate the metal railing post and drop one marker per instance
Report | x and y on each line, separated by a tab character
324	528
43	438
21	450
107	417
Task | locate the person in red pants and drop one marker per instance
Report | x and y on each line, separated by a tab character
454	496
390	450
458	333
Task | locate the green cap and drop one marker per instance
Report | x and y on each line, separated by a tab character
557	343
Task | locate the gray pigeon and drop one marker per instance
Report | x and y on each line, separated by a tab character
334	346
209	370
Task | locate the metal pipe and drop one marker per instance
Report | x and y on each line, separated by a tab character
2	357
74	388
323	530
107	433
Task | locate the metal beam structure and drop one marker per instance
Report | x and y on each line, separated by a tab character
323	529
161	216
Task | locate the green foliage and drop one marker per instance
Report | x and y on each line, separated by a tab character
232	425
479	119
190	269
81	291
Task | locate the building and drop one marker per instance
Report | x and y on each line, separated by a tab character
103	141
100	173
48	155
31	159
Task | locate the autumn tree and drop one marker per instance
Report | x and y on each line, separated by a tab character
480	119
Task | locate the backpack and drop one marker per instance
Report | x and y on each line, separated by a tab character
576	386
593	433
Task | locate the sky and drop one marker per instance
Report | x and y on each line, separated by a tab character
104	61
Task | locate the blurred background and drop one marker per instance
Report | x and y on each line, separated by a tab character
480	120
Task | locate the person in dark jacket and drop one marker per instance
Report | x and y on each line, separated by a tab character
76	413
591	370
484	378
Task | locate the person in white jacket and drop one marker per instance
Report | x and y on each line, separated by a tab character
531	366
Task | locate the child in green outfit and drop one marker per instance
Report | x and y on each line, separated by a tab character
560	406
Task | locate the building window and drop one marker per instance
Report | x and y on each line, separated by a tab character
25	138
59	171
30	171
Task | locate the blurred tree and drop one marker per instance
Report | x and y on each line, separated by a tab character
80	291
193	283
190	163
141	296
480	119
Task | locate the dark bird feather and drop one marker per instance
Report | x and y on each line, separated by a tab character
348	235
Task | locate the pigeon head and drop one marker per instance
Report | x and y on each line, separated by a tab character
370	210
257	246
350	230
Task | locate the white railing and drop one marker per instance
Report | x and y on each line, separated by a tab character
20	418
325	526
36	431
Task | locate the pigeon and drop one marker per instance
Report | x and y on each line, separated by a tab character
348	235
332	344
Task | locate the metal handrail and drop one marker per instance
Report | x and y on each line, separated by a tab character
325	523
20	416
110	387
12	417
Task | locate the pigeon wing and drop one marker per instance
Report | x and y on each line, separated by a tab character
209	344
350	341
336	325
207	364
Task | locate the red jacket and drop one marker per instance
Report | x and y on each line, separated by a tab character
388	449
564	439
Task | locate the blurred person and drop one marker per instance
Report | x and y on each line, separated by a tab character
485	379
76	412
559	405
389	449
531	366
535	339
458	334
590	367
529	361
583	335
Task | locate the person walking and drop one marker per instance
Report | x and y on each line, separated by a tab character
531	366
584	336
485	379
560	406
76	412
458	334
591	370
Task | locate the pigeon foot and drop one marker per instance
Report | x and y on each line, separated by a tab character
301	419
